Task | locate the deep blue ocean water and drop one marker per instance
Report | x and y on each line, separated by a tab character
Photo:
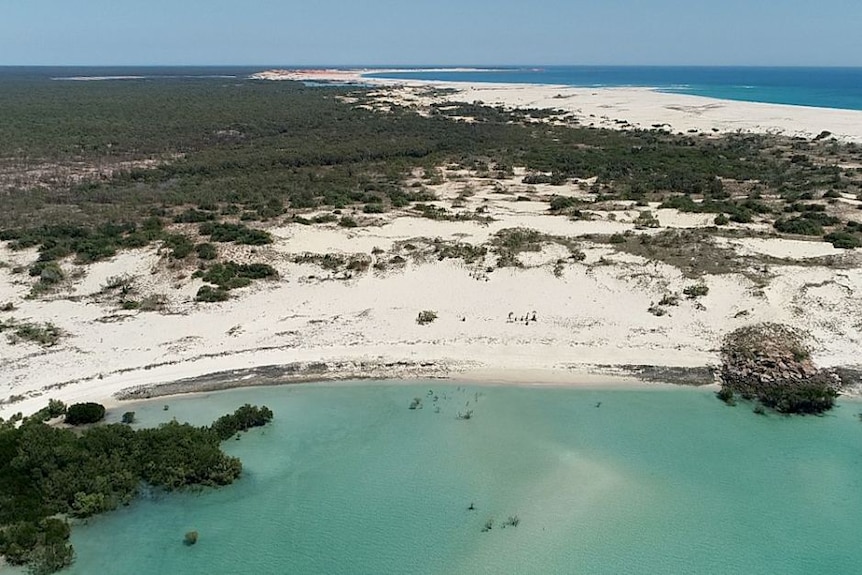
819	87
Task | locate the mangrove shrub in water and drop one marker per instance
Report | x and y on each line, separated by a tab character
46	472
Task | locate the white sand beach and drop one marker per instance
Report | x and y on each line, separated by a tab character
592	316
616	108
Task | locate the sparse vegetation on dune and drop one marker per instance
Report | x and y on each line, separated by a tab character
237	153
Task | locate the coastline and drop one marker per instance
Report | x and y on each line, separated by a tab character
614	107
593	320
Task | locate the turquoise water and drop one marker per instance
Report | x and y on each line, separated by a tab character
819	87
348	480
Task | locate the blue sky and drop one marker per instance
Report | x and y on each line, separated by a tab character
416	32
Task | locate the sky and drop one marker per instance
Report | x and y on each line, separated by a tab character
439	32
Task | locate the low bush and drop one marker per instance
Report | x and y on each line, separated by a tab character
696	291
206	251
843	240
236	233
84	413
210	294
426	317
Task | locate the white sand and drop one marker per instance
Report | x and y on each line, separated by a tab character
611	107
591	313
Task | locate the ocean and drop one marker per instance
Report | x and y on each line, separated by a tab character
818	87
348	480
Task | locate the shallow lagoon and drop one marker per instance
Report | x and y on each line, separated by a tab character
347	479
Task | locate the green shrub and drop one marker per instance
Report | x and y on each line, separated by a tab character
696	291
426	317
206	251
46	334
193	216
236	233
799	225
721	220
242	419
84	413
560	203
210	294
231	275
843	240
181	246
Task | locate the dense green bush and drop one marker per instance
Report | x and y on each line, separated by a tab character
799	225
180	245
231	275
237	233
242	419
843	240
84	413
47	473
206	251
210	294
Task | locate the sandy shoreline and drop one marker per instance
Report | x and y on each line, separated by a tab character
592	320
615	107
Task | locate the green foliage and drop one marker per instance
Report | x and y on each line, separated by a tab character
180	245
560	203
696	291
193	216
128	417
843	240
247	149
210	294
237	233
373	209
726	395
799	225
206	251
425	317
175	455
45	334
813	397
646	219
231	275
242	419
46	471
84	413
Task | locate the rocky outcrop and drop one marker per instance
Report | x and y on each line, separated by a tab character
769	363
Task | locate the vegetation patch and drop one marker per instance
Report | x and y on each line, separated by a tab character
47	474
236	233
510	242
425	317
84	413
45	334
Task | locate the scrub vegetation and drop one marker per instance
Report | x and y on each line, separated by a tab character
51	474
92	168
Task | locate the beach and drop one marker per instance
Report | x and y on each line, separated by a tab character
611	107
574	310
